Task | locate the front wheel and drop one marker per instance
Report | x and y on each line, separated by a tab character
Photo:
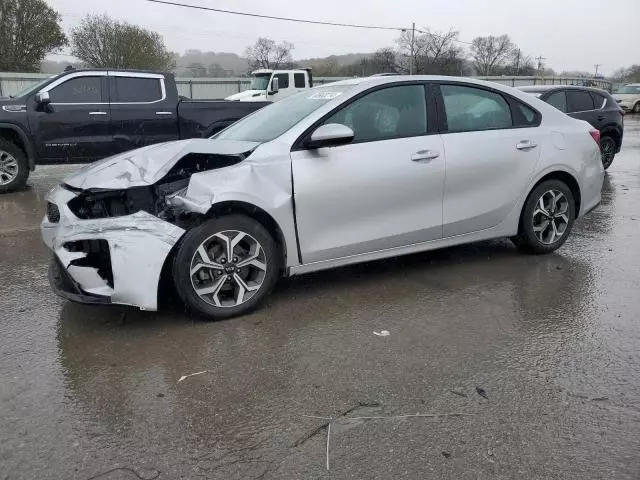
547	218
607	150
226	267
14	167
636	108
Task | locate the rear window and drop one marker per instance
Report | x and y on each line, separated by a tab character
470	108
136	90
298	80
579	101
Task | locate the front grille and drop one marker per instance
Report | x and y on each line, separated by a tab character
53	214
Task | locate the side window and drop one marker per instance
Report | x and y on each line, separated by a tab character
283	80
298	80
598	100
388	113
579	101
78	90
558	100
524	116
136	89
470	108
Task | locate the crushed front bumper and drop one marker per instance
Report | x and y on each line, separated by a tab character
108	260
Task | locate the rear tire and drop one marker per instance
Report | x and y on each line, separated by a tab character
547	218
607	150
226	267
636	108
14	167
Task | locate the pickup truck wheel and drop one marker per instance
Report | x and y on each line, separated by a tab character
14	167
226	267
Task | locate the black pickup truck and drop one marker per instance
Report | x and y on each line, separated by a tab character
86	115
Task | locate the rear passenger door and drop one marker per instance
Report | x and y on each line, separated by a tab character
491	143
580	106
141	112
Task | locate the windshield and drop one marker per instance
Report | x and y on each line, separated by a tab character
260	82
30	88
273	120
629	89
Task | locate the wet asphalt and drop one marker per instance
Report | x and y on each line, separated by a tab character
552	342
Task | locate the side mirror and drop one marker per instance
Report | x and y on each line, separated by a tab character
330	135
275	87
43	98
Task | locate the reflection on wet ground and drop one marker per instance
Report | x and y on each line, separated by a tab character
552	340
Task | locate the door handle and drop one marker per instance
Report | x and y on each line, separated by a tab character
97	113
164	113
424	156
526	145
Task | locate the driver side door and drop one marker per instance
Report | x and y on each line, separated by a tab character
384	189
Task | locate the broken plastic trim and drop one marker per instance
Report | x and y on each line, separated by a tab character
97	256
105	203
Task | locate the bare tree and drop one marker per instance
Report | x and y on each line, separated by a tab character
430	52
265	53
29	29
103	42
490	53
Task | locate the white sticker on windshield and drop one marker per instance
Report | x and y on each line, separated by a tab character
324	95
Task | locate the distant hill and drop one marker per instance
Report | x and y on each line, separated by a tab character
339	60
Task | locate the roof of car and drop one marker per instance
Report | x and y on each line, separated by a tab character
382	79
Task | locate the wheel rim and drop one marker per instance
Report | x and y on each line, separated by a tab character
228	268
551	217
8	168
607	147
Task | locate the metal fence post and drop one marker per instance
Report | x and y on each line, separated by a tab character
191	89
239	86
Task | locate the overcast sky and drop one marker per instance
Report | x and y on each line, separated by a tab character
571	34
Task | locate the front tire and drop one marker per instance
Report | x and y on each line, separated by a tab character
547	218
607	150
636	108
226	267
14	167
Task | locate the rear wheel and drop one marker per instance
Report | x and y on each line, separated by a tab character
636	108
226	267
547	218
607	150
14	167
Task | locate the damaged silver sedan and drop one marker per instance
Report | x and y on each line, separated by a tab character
350	172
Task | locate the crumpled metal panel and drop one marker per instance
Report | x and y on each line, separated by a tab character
147	165
138	245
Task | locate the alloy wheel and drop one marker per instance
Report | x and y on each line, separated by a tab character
8	168
550	217
607	150
228	268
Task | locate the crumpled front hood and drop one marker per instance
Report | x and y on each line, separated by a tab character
147	165
249	95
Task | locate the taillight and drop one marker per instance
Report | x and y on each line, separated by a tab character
595	134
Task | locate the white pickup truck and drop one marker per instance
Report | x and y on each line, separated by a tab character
273	85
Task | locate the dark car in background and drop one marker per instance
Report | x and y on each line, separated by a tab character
592	105
87	115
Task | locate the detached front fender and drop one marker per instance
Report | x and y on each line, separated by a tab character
266	186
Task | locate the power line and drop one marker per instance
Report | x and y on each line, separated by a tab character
271	17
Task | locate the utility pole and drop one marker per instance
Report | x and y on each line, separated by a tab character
540	58
518	63
597	66
413	36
